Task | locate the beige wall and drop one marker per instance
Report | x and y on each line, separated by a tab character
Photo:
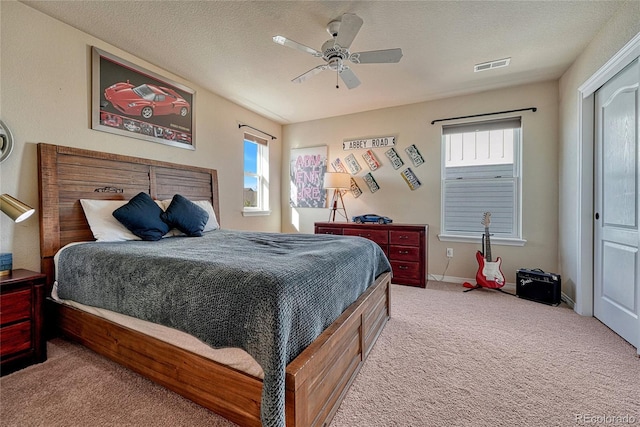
411	125
45	97
622	27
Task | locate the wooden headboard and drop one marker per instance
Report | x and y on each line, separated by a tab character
66	175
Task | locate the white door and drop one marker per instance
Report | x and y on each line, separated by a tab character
616	233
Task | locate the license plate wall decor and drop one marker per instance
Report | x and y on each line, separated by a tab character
377	142
414	154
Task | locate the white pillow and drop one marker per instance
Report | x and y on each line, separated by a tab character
212	223
104	226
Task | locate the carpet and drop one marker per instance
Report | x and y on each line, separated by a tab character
445	358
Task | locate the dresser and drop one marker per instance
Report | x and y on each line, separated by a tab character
404	244
22	340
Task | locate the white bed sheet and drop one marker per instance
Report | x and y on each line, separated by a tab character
233	357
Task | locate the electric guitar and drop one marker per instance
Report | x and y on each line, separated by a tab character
489	274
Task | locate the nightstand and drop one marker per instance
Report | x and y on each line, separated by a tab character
22	340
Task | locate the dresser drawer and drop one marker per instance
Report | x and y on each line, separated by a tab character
381	237
15	338
15	306
408	238
404	253
405	270
329	230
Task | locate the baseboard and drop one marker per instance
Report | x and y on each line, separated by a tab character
567	300
510	287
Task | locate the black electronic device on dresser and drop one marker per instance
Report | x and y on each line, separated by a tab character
404	244
22	340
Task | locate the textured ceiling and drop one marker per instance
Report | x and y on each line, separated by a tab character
227	47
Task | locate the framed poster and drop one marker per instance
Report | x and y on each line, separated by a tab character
306	172
131	101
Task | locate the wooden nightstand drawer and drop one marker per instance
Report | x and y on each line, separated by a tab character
15	338
404	253
407	238
381	237
22	340
15	306
329	230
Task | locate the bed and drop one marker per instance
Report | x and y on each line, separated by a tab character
315	381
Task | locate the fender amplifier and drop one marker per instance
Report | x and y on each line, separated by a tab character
536	285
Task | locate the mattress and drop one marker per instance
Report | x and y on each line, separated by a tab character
233	357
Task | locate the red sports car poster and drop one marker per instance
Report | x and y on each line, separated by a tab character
131	101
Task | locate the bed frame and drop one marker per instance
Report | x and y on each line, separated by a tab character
316	381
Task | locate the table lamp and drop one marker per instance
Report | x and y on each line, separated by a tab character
337	181
14	208
18	212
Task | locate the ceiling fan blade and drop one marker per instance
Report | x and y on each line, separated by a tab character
376	56
349	26
349	78
312	72
295	45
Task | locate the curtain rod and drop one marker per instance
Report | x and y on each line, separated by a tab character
534	109
240	125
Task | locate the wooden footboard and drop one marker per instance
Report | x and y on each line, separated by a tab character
316	381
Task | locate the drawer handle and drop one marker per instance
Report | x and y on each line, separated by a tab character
403	267
403	252
364	235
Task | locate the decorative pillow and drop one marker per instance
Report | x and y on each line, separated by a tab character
142	217
104	226
212	223
186	216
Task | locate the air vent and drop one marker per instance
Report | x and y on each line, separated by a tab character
498	63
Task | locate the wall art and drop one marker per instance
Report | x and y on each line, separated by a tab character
338	166
411	179
371	182
355	188
394	158
377	142
371	160
131	101
414	154
306	171
352	164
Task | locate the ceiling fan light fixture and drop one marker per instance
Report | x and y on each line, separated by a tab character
498	63
335	51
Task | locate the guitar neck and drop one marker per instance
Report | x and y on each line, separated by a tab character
487	249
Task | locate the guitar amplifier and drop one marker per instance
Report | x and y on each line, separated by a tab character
536	285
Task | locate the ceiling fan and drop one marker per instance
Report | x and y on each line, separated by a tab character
335	52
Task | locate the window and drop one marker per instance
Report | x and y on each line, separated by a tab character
481	173
256	176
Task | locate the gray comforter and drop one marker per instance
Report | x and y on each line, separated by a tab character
270	294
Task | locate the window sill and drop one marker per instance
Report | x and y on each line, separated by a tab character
256	213
505	241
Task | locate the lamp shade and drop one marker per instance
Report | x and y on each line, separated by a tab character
14	208
337	180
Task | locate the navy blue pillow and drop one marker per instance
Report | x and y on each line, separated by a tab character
186	216
142	217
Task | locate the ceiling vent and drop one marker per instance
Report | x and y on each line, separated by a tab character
498	63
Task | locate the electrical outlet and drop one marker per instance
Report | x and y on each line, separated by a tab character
449	252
